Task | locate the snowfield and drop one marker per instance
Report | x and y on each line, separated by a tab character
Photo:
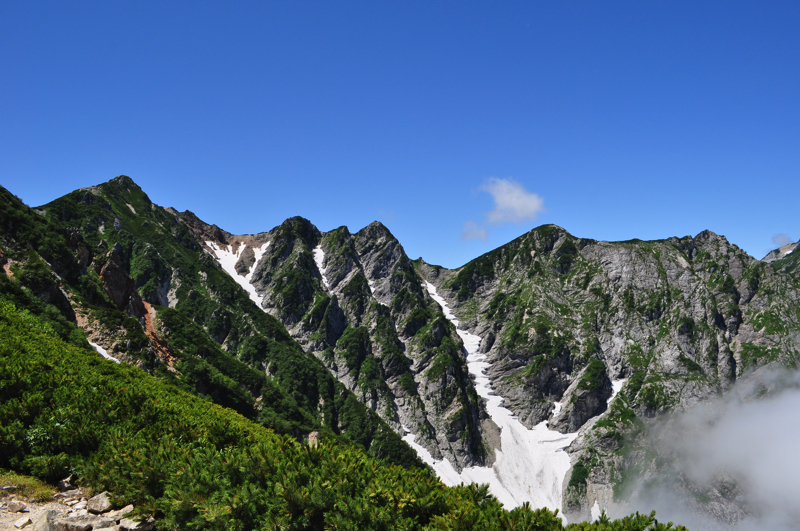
227	259
319	258
531	465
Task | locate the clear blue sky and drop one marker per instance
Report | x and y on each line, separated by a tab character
615	120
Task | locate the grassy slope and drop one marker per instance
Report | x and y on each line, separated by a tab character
197	464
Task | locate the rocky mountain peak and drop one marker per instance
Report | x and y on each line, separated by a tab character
781	252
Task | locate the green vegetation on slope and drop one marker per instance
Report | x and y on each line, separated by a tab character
297	395
198	465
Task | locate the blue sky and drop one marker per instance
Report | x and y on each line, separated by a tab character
460	125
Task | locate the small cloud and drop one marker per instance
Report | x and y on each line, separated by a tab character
473	231
781	239
512	202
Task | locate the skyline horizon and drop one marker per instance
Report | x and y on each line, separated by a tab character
389	227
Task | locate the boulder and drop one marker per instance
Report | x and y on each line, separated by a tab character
15	506
118	515
70	524
23	522
99	504
45	521
82	523
127	524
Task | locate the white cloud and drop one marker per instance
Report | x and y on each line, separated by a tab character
473	231
747	439
781	239
512	202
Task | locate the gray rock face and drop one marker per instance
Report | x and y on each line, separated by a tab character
781	252
46	521
356	302
585	398
117	515
99	503
679	319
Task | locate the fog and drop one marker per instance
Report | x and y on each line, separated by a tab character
736	457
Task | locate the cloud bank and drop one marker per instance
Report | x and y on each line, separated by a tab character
740	453
512	204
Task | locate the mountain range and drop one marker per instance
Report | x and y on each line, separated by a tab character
545	368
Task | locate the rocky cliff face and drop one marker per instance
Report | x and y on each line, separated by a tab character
356	302
781	252
672	322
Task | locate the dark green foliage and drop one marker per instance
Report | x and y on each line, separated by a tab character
753	355
356	349
482	267
580	473
356	293
22	297
635	383
546	346
293	289
653	396
565	256
591	378
605	298
24	229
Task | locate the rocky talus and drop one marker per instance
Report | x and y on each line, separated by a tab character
70	510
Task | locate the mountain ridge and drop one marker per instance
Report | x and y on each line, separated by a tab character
599	340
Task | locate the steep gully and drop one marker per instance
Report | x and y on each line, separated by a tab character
530	465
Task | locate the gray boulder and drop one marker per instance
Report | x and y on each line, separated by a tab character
15	506
99	504
118	515
126	524
23	522
81	523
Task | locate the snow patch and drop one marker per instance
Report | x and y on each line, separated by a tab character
532	463
103	352
616	387
596	512
227	259
319	258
